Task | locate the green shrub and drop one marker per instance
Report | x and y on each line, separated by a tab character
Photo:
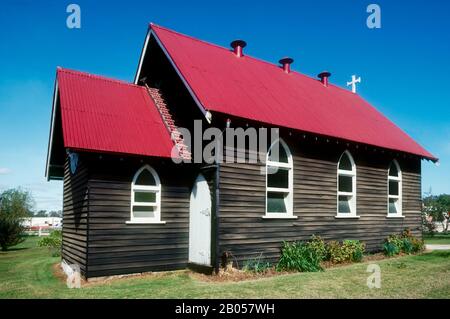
407	246
318	245
418	245
300	257
53	242
406	233
392	245
335	253
306	256
390	249
405	242
349	250
256	265
355	249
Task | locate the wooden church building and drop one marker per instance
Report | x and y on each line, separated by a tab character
344	170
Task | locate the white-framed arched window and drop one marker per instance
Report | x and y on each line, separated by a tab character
279	181
346	195
146	196
394	190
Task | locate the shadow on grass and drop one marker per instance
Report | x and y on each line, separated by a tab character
434	254
437	236
14	249
27	243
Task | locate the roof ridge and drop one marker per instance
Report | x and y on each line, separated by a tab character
187	36
215	45
272	64
95	76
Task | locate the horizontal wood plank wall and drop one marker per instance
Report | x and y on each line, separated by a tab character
119	248
245	234
75	215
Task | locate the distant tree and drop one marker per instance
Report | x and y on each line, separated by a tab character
54	213
15	205
438	208
41	213
427	223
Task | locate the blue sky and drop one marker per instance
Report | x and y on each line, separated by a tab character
404	65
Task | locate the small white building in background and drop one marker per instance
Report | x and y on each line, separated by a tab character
44	222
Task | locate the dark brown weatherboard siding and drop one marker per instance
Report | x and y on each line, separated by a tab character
97	202
245	234
100	192
75	217
115	247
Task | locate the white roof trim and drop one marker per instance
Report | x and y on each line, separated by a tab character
205	112
141	59
50	140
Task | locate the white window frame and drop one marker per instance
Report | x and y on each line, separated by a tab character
156	219
399	197
289	191
352	201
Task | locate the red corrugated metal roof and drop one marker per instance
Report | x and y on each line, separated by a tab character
100	114
250	88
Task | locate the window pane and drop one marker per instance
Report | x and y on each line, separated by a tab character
276	202
393	171
345	163
393	206
277	177
145	178
282	155
393	188
345	183
144	197
143	211
344	204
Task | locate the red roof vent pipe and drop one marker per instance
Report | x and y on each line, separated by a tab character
286	64
238	46
323	76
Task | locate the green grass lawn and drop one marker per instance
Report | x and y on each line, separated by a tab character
26	272
441	239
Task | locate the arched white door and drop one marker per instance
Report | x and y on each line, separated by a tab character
200	223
